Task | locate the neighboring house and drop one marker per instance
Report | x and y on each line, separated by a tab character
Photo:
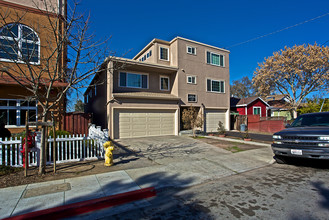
23	36
145	96
249	106
279	106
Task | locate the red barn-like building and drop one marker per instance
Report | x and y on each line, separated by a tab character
249	106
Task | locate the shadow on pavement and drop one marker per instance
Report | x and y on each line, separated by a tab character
324	192
302	162
163	206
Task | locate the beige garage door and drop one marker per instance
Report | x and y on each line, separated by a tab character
142	123
212	119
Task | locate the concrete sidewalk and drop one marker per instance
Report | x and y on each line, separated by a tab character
169	173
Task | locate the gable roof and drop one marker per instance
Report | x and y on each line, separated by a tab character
237	102
274	97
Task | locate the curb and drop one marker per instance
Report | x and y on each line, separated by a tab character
87	206
239	141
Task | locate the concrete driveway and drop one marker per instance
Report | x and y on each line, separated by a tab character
168	149
184	161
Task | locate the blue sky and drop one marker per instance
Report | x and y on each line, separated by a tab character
133	24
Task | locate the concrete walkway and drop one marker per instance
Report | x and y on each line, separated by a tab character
189	162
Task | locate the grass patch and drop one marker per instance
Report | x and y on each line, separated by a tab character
198	137
234	149
5	170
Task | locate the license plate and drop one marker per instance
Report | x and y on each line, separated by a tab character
296	152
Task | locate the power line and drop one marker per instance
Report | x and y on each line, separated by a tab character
286	28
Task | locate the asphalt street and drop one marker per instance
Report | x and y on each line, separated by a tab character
294	191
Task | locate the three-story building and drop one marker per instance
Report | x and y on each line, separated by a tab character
145	96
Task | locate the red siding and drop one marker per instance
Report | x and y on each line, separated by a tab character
241	110
257	103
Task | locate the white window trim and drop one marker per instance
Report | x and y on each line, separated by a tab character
167	53
257	107
168	83
187	77
211	85
19	40
215	54
187	47
148	80
18	109
196	98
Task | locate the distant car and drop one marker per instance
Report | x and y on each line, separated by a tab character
306	137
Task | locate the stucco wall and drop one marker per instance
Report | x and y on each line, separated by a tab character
196	65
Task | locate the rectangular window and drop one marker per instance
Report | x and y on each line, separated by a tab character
191	50
191	98
164	83
257	110
215	86
164	53
133	80
191	79
215	59
13	112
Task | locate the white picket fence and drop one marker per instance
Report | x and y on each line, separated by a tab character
68	149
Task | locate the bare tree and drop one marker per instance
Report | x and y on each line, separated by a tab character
296	71
192	119
242	88
67	57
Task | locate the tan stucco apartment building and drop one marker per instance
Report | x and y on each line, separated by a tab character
145	96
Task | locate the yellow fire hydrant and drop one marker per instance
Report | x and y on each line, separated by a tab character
108	153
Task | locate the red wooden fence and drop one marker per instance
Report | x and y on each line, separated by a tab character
77	122
255	123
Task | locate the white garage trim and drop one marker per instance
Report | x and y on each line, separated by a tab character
141	122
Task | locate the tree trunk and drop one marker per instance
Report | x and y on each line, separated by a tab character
294	111
42	167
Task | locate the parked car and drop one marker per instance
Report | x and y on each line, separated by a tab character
306	137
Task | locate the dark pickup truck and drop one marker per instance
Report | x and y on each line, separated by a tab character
306	137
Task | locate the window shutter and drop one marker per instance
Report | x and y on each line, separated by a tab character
208	85
144	81
208	57
123	79
222	86
221	60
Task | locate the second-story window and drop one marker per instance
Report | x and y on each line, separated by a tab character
191	50
164	83
164	53
215	59
19	43
133	80
215	86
